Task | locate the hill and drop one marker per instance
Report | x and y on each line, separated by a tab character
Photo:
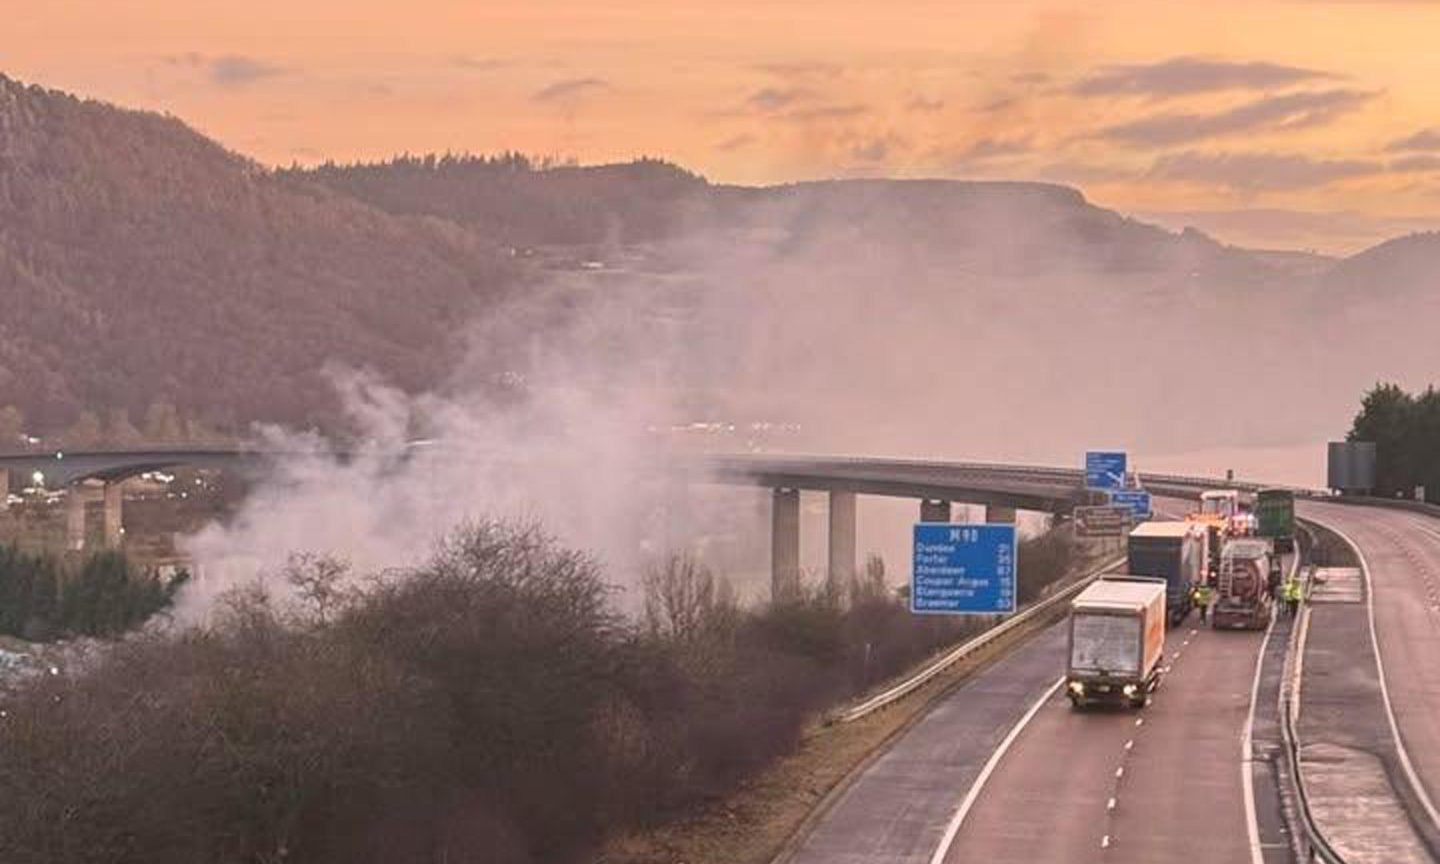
142	263
1403	266
1001	226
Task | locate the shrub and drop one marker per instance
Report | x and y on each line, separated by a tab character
486	706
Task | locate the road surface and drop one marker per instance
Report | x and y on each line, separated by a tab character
1163	784
1173	770
1373	793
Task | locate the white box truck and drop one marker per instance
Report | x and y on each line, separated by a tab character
1117	636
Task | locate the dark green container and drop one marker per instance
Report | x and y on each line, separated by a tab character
1275	512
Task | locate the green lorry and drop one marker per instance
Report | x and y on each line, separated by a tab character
1275	514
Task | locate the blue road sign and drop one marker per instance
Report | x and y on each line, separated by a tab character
1138	500
1104	470
959	569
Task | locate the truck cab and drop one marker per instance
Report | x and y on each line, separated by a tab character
1117	636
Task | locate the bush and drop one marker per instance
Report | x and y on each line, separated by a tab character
487	706
42	597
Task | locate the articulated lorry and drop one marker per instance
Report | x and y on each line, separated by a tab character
1275	512
1242	595
1177	552
1117	636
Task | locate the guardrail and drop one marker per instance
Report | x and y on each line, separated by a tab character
955	655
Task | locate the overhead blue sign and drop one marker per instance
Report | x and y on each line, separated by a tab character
959	569
1138	500
1104	470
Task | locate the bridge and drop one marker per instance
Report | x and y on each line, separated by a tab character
1314	740
77	472
1001	489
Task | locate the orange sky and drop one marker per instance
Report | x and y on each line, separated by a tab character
1147	105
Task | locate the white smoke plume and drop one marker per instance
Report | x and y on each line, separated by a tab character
912	320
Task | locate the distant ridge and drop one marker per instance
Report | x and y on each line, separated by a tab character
142	262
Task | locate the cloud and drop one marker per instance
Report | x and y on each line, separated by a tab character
990	148
800	69
1425	139
777	98
1288	111
235	70
736	142
1186	75
229	70
1070	171
878	148
1416	164
826	112
479	64
1254	172
568	89
925	106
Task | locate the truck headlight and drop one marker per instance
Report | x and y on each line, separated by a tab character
1130	690
1077	687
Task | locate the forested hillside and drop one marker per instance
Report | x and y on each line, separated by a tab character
156	285
142	264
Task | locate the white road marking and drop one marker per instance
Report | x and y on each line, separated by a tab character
1105	842
1130	743
1110	805
1247	751
1119	772
974	793
1405	762
1139	721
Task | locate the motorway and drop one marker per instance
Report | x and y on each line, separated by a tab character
1173	770
1164	784
1375	790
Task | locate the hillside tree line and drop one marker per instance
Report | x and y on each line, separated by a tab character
1405	428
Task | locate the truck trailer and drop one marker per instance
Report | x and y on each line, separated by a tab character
1275	511
1117	636
1242	598
1177	552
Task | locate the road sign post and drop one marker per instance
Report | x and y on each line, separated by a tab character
963	569
1105	469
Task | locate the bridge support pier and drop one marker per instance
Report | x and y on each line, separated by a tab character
4	490
785	545
75	518
996	513
934	511
842	540
114	515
